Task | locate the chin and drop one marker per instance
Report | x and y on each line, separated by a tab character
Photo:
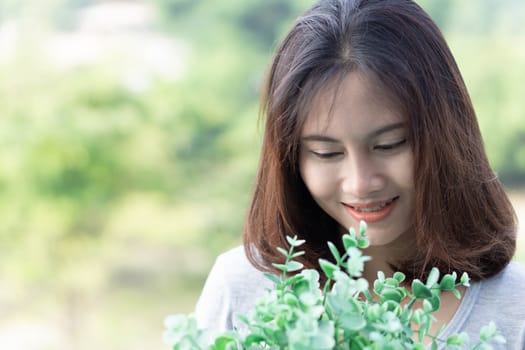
399	240
377	242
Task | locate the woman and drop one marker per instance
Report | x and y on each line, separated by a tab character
367	118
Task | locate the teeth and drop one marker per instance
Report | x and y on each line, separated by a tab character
370	210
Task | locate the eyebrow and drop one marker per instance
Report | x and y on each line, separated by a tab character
375	133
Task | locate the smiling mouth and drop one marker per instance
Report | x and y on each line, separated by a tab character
372	207
371	212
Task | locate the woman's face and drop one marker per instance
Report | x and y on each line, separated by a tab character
356	161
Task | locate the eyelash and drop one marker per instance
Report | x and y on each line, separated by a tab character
387	147
326	155
390	146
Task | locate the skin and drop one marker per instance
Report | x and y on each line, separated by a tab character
355	153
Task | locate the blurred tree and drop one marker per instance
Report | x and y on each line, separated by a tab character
105	187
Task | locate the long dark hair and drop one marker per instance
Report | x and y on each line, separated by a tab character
463	218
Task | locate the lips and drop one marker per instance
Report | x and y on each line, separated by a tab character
371	212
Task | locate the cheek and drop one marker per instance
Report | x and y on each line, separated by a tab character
405	172
402	174
319	182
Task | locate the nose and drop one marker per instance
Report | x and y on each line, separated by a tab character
361	176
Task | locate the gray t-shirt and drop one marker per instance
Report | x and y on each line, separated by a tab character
234	286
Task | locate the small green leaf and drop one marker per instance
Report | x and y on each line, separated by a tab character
392	282
390	305
349	242
272	277
294	279
454	339
253	339
378	286
281	267
335	252
435	301
293	266
363	243
373	312
465	280
456	293
221	343
376	337
487	332
301	286
362	228
454	275
448	282
392	294
433	277
297	254
427	306
282	251
425	326
352	321
294	242
328	268
417	317
291	299
399	276
420	290
381	276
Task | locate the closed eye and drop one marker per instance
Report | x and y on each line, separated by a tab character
390	146
327	155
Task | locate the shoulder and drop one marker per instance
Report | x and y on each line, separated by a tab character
232	287
234	267
504	293
239	275
235	257
509	283
501	299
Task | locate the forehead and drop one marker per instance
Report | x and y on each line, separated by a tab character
355	100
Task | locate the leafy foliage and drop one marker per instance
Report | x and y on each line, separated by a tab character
297	314
105	187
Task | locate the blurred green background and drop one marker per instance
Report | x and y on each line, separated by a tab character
129	143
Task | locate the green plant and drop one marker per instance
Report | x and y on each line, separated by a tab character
344	314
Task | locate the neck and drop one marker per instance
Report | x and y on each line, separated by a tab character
385	255
380	262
